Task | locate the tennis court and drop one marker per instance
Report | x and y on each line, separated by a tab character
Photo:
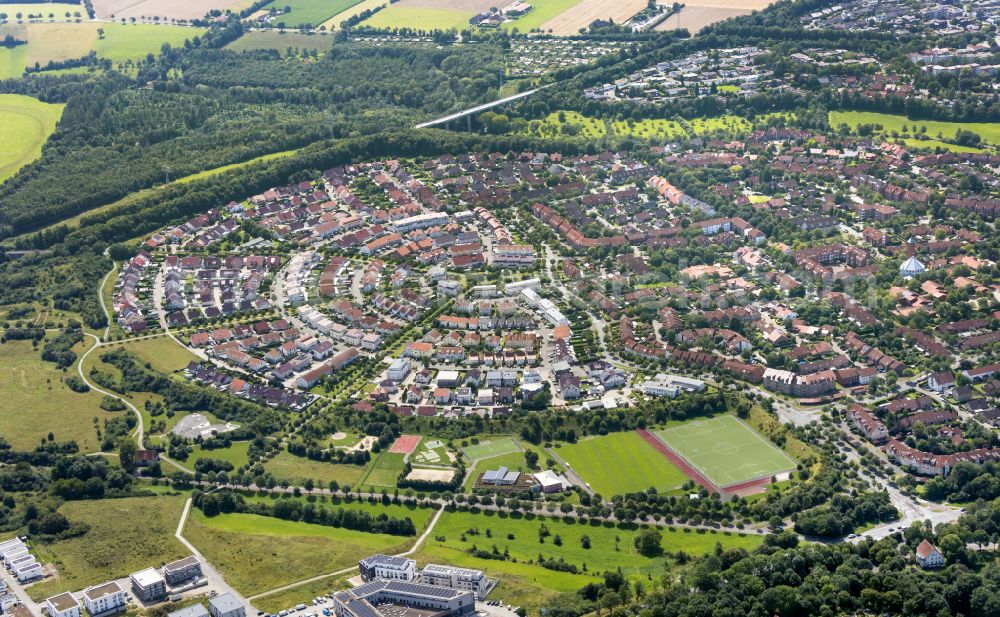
726	450
487	449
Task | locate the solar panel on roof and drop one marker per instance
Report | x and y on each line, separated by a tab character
417	589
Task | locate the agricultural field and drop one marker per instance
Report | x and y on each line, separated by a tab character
584	13
365	5
620	463
384	471
161	352
296	469
312	12
990	132
41	11
64	41
530	585
491	447
168	9
125	535
34	400
280	41
420	18
544	12
725	450
257	553
25	125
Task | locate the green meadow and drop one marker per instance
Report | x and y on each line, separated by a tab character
25	125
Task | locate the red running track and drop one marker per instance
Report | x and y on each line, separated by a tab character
674	458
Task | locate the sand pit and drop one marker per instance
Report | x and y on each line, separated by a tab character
364	444
431	475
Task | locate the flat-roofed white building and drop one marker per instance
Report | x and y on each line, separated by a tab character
182	570
148	585
28	572
455	578
387	567
104	599
63	605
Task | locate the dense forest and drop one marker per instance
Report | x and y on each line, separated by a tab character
228	107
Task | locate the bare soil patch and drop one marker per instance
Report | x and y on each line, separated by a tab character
431	475
694	18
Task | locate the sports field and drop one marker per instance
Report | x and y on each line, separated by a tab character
406	444
25	124
621	463
725	450
496	447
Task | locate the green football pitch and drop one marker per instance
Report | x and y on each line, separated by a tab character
488	449
726	450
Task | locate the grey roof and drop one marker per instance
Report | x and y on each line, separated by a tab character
180	564
195	610
385	560
225	603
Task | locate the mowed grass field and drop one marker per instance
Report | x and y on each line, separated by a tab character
989	131
28	12
257	553
312	12
64	41
419	18
34	400
125	535
235	454
620	463
725	449
487	448
297	469
25	124
530	585
384	471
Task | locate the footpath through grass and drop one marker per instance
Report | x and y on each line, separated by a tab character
125	535
259	553
35	400
25	125
621	463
